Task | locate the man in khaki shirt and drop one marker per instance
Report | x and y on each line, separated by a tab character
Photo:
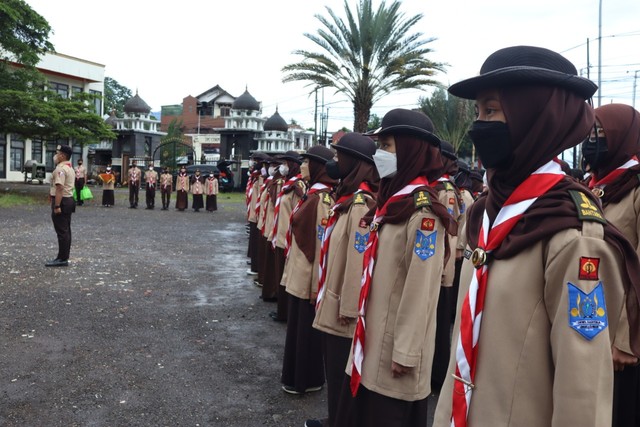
151	178
62	204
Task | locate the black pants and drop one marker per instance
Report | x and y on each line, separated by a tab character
62	225
151	196
133	194
166	197
443	339
79	184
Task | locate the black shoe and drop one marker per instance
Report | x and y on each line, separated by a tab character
275	317
317	423
132	207
292	390
57	263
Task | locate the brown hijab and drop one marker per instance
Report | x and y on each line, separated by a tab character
544	121
621	124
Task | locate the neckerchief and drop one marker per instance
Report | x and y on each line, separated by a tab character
253	177
276	211
490	237
597	187
334	214
314	189
258	203
370	254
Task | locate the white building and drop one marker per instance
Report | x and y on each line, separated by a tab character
66	75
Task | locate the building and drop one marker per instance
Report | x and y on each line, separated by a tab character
138	139
66	75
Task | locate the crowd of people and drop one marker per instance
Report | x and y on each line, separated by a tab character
372	249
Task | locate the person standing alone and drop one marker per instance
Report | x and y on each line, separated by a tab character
62	204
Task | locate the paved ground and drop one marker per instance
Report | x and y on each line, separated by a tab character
155	322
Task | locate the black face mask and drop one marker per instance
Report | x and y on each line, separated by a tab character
594	152
492	141
333	169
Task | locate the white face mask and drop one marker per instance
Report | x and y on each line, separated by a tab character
264	172
150	168
272	170
284	170
386	163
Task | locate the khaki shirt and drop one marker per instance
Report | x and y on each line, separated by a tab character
287	203
182	183
468	200
255	194
211	187
533	368
269	215
63	175
81	172
166	181
134	175
449	199
151	178
197	186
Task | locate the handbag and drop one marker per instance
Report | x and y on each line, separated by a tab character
85	193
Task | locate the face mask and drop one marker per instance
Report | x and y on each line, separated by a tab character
150	168
272	170
304	171
333	170
264	172
492	141
594	152
284	170
386	163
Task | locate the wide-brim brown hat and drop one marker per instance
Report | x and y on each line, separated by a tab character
400	121
319	153
357	145
293	156
525	66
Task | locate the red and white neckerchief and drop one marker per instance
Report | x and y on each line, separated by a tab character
489	239
210	185
266	206
183	180
249	190
370	254
611	176
276	211
314	189
260	193
334	214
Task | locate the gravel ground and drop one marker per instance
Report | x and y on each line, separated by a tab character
154	323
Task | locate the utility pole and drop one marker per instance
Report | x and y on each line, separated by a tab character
315	120
600	54
635	80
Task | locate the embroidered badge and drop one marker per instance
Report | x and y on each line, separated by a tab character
425	246
428	224
362	224
587	312
589	268
448	186
452	201
361	242
463	207
326	199
320	232
324	221
421	199
587	210
358	200
467	253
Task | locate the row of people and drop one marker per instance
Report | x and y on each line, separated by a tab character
196	185
549	274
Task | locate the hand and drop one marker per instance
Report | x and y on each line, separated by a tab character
57	211
622	359
398	370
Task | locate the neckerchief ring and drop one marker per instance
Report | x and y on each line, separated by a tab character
479	257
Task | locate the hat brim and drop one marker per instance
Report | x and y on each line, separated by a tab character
315	157
406	130
290	158
354	153
523	76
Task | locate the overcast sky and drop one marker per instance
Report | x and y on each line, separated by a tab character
169	50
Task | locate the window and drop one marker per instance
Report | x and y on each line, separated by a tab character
60	89
36	150
76	89
51	151
97	101
225	110
147	146
16	159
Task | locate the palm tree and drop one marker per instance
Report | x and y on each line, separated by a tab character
366	57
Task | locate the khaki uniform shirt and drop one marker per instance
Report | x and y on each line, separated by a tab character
134	176
269	215
401	308
263	205
533	368
449	199
255	193
287	203
166	181
300	277
64	175
182	183
344	269
211	187
81	172
197	187
151	178
468	200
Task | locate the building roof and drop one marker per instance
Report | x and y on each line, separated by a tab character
276	123
246	102
136	105
111	120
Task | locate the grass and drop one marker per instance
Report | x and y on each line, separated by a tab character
9	200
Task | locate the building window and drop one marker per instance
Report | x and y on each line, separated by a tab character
16	157
98	101
60	89
36	150
77	153
76	89
51	151
147	146
225	110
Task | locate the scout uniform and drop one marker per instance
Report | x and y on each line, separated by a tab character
270	284
108	185
81	178
197	190
62	206
166	184
182	189
211	190
134	185
151	178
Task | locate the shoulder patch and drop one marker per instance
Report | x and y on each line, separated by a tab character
587	311
361	240
320	232
589	268
326	199
425	245
448	186
587	210
359	199
421	199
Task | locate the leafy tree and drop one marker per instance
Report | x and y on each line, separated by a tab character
451	118
366	56
374	122
24	34
115	96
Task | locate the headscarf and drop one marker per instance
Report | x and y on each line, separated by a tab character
543	122
621	124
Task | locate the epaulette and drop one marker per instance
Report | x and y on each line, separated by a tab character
448	186
421	199
587	209
359	199
326	199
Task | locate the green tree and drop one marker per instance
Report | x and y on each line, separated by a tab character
366	56
115	96
374	122
24	34
451	118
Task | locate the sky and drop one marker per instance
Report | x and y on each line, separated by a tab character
169	50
